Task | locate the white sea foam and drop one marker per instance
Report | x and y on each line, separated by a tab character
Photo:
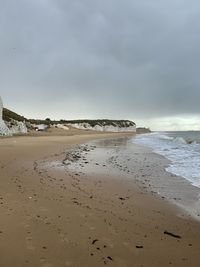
184	153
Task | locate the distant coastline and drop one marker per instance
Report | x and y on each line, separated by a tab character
24	125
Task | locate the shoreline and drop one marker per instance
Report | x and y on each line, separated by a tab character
176	190
55	217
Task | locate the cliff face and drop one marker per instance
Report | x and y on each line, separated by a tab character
13	123
3	127
105	125
10	122
17	127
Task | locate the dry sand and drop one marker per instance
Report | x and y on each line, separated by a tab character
50	217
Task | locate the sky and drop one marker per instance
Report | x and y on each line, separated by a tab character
116	59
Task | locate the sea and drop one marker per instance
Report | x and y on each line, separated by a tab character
182	149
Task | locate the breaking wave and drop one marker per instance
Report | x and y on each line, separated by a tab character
181	148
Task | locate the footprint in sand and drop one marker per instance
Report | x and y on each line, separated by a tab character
29	243
64	238
92	228
68	263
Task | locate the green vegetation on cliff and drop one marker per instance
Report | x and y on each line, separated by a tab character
103	122
8	115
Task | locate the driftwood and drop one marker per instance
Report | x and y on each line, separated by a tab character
94	241
171	234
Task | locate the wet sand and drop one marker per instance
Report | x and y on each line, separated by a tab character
52	215
122	156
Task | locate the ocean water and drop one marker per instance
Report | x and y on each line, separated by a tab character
181	148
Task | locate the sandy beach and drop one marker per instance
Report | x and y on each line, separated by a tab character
54	216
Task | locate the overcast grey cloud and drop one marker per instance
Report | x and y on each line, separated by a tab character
101	59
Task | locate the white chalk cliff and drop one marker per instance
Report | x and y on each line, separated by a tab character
4	130
18	127
12	127
101	127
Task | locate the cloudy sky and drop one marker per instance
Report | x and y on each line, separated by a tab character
118	59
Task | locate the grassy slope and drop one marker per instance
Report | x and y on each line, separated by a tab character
8	115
